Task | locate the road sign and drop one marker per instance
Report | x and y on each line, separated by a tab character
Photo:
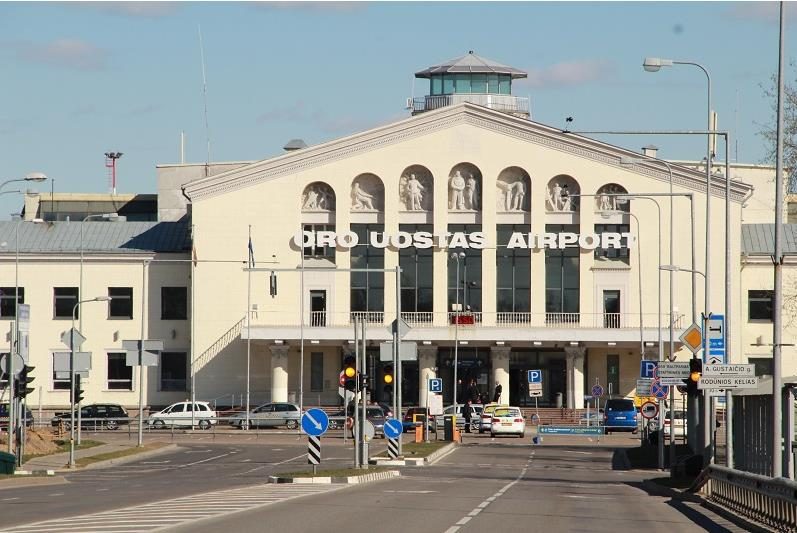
714	361
315	422
61	361
658	390
313	450
23	318
535	393
392	448
647	369
408	351
19	362
715	337
393	428
436	385
400	326
148	350
347	395
79	339
368	430
727	382
342	378
649	410
643	387
535	376
692	338
535	386
597	391
673	369
435	402
713	369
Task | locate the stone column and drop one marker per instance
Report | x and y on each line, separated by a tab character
575	377
427	364
499	356
279	373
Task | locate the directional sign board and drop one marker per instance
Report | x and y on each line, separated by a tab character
436	385
643	387
649	410
315	422
715	337
66	338
745	370
535	376
61	361
647	369
408	351
727	382
535	393
673	372
692	338
393	428
148	350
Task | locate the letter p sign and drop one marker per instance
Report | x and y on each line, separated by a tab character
535	376
648	369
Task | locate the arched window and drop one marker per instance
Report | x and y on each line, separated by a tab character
416	189
465	188
514	190
563	194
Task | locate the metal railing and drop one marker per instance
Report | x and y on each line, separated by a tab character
769	501
499	102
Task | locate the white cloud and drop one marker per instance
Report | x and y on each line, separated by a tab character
569	73
68	53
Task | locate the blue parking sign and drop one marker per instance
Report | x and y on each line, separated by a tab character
647	369
535	376
436	385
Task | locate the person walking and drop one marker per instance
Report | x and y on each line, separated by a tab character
466	414
497	394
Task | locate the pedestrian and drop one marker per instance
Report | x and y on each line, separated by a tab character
497	394
473	391
466	414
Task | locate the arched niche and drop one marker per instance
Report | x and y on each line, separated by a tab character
318	196
604	201
416	189
465	188
367	194
562	194
514	190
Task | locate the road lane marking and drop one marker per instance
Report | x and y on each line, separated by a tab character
9	499
464	521
291	459
206	460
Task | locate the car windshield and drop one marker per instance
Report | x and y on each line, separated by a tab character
620	405
503	412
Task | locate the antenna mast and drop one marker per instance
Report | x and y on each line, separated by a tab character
205	98
110	164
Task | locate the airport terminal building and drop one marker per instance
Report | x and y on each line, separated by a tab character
519	246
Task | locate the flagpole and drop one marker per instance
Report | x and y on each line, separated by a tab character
249	319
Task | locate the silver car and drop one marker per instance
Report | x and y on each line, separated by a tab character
270	415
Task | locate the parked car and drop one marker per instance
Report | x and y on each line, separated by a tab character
387	408
373	413
270	415
485	420
179	415
95	416
476	410
678	425
620	415
4	416
507	421
408	421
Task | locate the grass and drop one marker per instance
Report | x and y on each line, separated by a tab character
63	446
339	472
422	449
84	461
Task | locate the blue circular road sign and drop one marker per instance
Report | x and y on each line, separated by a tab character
658	390
393	428
597	391
315	422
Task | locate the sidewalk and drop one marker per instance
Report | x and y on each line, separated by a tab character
59	461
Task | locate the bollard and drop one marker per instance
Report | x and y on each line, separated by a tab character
418	433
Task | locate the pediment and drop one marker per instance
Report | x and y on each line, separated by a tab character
433	121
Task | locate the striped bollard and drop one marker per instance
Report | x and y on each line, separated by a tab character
313	451
392	448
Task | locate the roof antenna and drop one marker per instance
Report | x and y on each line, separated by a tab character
568	120
205	98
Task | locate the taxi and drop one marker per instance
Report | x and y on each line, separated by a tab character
507	421
487	416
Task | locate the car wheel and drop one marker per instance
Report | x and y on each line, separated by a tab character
492	434
522	435
204	424
634	431
112	425
159	424
292	424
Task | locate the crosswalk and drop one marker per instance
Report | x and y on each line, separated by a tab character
170	513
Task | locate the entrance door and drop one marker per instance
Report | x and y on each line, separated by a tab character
611	309
318	308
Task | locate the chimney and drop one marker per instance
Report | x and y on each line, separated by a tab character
650	150
294	144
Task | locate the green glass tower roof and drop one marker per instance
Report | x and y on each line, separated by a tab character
471	63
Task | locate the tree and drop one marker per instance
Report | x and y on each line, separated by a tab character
769	130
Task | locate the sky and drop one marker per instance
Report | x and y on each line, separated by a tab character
83	78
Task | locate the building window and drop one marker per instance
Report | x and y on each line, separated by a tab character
469	288
367	288
763	365
317	372
8	308
60	379
613	254
513	272
562	278
612	373
120	376
121	304
319	252
759	305
174	371
174	303
417	276
65	300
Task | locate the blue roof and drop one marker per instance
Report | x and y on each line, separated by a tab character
98	236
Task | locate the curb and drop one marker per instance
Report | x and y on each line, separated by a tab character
31	481
347	480
433	457
430	459
127	458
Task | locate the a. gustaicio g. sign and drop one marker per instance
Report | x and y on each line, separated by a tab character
476	239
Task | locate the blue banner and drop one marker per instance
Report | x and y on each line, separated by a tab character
570	430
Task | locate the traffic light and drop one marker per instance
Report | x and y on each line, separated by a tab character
363	381
272	284
387	378
350	373
21	388
695	371
77	392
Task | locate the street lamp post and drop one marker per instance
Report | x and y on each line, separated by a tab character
654	64
72	376
113	217
456	256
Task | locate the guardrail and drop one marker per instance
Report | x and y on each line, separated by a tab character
770	501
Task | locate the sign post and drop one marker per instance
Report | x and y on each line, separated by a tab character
393	429
143	353
435	388
314	423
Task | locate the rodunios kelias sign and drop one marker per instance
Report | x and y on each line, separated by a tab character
476	239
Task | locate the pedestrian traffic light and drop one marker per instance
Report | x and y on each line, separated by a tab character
350	373
695	371
21	388
77	392
363	381
272	284
388	374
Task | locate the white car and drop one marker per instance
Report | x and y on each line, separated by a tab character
179	415
507	421
475	415
487	416
678	426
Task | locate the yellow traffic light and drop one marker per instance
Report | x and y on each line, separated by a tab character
350	371
388	378
695	376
